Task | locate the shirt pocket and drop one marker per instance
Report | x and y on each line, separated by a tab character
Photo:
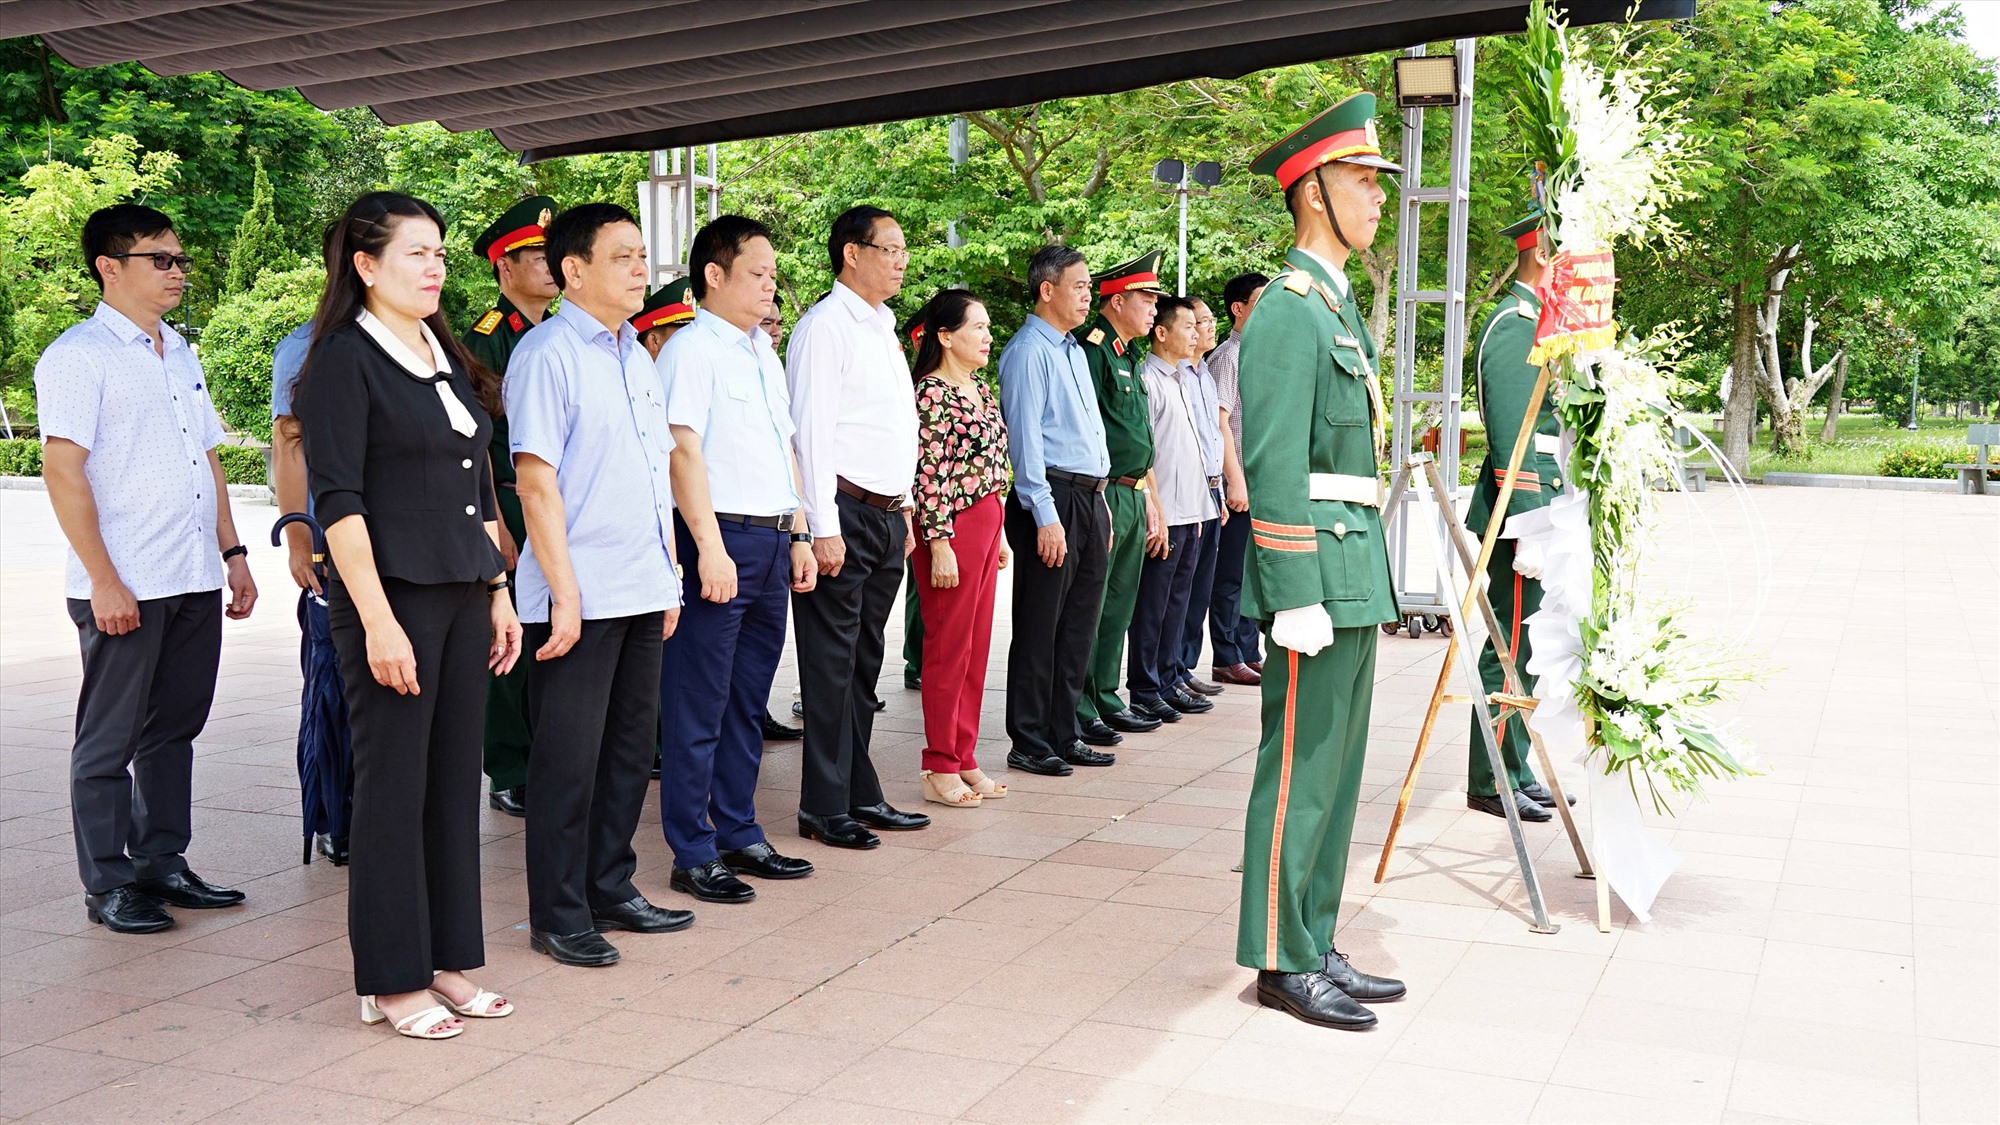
1347	551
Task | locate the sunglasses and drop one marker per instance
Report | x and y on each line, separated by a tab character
162	260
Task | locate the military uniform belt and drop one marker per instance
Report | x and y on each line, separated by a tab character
1340	486
1549	444
1131	482
775	523
1080	480
872	499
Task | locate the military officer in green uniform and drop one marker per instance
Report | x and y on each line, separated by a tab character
513	244
1505	381
666	312
1318	574
1129	294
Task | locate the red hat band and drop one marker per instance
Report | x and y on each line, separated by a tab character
665	314
530	235
1112	285
1332	148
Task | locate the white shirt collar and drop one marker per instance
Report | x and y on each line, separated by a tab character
122	326
1338	275
401	353
859	308
730	334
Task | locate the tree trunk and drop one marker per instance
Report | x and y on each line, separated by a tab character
1739	413
1831	429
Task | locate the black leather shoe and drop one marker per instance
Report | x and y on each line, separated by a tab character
334	848
1097	734
881	705
1314	999
837	831
640	917
1184	703
655	772
1523	804
126	910
775	731
1156	710
1132	722
711	882
513	802
1077	754
798	710
586	950
1537	792
762	860
881	815
1050	766
913	682
186	890
1361	986
1200	687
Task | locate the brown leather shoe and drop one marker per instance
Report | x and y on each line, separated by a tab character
1237	674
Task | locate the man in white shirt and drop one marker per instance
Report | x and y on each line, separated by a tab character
129	436
856	413
741	548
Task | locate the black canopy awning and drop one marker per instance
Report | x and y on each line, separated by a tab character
560	77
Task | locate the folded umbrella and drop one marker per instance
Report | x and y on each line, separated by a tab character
325	751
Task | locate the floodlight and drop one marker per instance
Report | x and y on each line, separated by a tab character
1423	81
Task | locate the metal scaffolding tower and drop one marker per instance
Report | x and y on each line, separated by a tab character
1412	410
670	206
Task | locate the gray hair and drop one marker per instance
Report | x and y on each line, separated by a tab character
1049	264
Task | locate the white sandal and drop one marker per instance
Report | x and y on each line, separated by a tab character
427	1024
480	1007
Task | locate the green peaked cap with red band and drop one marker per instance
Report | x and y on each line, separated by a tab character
1525	229
1142	272
670	304
520	227
1346	132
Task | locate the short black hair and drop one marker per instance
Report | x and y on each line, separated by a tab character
855	225
115	229
1239	288
720	242
1168	310
1048	265
570	234
777	300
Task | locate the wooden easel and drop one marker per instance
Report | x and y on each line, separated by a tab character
1513	696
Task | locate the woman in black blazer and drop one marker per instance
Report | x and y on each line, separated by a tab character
396	417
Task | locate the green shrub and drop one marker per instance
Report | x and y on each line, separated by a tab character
236	347
20	457
242	464
1927	461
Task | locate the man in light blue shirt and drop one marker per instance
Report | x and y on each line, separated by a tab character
745	547
1056	521
598	589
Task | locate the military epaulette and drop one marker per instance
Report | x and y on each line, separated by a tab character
488	323
1298	282
1527	310
1096	336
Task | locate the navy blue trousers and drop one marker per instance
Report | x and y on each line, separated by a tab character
1160	612
1199	596
715	682
1233	636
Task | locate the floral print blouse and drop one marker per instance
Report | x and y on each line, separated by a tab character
961	453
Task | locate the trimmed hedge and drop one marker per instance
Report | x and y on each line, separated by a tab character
241	464
1924	461
20	457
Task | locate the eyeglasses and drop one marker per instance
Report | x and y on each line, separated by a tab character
895	253
162	260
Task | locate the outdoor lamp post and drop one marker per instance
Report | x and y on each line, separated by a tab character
1176	176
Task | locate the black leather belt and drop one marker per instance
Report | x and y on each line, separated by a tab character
775	523
1080	480
872	499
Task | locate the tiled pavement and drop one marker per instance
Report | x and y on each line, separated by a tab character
1827	952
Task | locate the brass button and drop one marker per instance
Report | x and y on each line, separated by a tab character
1339	529
1556	483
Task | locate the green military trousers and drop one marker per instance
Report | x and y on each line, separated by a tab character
507	730
1301	817
1121	591
1515	599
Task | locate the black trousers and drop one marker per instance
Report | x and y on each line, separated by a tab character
595	711
1055	618
840	627
1233	636
145	697
1152	663
413	847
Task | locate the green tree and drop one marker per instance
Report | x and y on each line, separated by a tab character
259	245
236	349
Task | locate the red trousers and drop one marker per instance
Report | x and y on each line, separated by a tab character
958	633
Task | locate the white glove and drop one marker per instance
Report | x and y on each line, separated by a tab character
1529	558
1304	630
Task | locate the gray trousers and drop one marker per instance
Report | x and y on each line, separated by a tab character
145	697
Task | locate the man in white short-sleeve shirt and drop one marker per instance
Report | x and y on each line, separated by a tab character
129	438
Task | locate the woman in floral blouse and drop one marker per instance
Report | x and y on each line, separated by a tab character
961	476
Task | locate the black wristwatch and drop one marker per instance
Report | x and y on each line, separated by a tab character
802	537
232	552
499	584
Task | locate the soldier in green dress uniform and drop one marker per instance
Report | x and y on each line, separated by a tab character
513	244
1505	381
1318	572
666	312
1130	292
